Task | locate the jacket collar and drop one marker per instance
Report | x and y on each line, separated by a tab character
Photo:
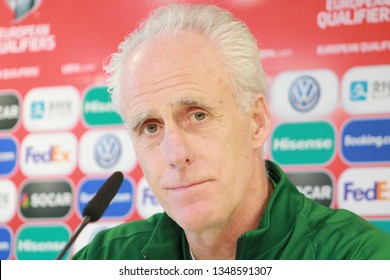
278	221
168	240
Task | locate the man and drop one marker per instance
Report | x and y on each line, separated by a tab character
190	89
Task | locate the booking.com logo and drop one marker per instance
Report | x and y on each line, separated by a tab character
366	140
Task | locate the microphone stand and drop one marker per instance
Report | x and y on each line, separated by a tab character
84	222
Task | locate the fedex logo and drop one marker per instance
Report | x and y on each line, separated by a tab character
365	191
380	190
53	154
56	152
147	204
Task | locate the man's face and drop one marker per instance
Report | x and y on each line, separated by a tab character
193	144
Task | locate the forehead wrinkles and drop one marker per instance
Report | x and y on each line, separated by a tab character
137	95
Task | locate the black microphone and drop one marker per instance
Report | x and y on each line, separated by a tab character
96	207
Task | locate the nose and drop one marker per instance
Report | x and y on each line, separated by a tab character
176	147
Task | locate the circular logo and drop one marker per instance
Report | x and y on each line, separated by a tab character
107	150
304	93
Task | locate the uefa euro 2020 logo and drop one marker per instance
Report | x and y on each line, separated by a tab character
22	8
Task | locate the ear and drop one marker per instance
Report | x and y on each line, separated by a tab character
261	121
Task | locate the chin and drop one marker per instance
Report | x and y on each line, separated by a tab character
196	219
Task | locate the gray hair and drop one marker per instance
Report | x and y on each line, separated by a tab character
236	43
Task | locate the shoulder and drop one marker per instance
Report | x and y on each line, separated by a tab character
342	234
125	241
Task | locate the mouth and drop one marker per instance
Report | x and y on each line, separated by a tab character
187	186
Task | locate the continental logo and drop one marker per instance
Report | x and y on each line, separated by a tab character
121	205
98	109
40	242
365	191
366	140
303	143
9	110
46	199
317	186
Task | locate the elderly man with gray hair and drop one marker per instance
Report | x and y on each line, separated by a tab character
190	88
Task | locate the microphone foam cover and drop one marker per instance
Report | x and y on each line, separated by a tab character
99	203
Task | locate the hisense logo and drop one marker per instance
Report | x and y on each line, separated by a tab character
287	144
43	246
303	143
40	242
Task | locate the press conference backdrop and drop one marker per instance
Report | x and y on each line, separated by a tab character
328	67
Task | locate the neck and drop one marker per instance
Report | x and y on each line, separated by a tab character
220	243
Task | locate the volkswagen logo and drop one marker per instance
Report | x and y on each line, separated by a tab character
304	93
107	150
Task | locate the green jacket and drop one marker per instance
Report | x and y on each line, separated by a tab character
292	227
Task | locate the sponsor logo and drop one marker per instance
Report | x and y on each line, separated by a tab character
8	155
147	204
9	111
37	110
303	143
365	191
366	90
366	140
120	206
5	243
382	224
48	154
22	8
380	190
359	90
304	93
51	108
46	199
317	186
303	90
98	108
7	200
89	233
107	150
40	242
102	152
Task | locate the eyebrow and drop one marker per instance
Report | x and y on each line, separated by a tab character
184	101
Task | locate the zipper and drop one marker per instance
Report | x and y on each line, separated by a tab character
240	243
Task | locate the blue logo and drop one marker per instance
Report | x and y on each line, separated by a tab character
37	110
107	151
120	206
366	141
358	91
5	243
304	93
8	155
